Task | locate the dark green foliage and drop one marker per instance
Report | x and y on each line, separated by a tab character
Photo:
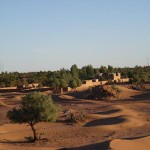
63	83
55	78
90	72
9	79
110	69
82	73
55	83
74	70
78	81
103	69
87	73
35	107
73	84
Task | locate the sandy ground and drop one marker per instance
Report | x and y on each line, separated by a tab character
137	144
108	125
10	147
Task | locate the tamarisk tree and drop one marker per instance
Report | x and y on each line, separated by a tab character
35	107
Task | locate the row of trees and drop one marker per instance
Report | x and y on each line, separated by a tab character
71	77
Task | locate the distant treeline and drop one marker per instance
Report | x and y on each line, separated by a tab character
72	77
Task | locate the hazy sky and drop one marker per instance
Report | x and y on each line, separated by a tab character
50	34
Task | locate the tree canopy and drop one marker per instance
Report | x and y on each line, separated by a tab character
35	107
63	77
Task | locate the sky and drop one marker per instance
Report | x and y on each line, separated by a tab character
41	35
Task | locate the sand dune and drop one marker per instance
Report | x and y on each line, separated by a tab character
106	120
115	119
17	147
136	144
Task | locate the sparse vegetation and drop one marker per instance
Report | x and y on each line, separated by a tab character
116	91
35	107
115	88
73	118
138	86
103	92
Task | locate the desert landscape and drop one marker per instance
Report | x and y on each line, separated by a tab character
74	75
116	124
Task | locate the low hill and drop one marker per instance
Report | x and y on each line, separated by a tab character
109	92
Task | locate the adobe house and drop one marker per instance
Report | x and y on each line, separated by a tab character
116	77
103	82
125	80
95	80
35	85
29	86
87	82
67	89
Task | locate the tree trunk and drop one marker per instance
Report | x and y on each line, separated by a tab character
34	132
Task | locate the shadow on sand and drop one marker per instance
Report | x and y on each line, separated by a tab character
109	112
106	121
14	142
62	101
97	146
144	96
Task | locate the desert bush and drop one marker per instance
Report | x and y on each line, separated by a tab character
115	91
115	88
73	118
